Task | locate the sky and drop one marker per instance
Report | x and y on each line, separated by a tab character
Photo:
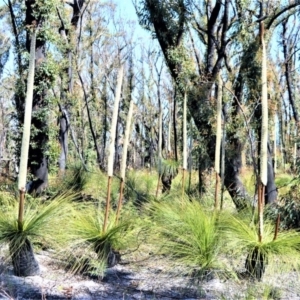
127	11
127	8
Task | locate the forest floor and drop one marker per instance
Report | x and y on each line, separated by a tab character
141	276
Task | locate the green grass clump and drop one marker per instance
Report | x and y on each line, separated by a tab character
41	224
187	233
75	178
241	238
140	187
93	250
284	182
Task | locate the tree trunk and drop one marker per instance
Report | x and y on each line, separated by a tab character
126	141
184	141
64	106
218	138
266	170
110	160
38	159
174	123
27	118
287	71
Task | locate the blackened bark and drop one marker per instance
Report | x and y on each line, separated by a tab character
234	145
64	106
93	98
166	180
105	126
233	165
168	39
77	6
63	137
199	96
270	189
23	259
16	35
38	160
286	52
287	71
174	123
98	152
211	43
256	263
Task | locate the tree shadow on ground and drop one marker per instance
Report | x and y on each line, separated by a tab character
119	282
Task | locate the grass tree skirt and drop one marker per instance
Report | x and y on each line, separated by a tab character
23	260
107	254
256	262
113	258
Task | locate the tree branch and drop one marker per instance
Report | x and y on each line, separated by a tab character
288	7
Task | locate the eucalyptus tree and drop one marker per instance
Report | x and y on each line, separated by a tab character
4	50
111	153
5	86
68	32
218	27
263	179
218	138
26	14
103	44
148	88
169	20
126	139
290	48
23	259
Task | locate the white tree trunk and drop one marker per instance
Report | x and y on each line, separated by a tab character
27	116
169	147
160	120
184	135
275	145
265	121
111	154
219	126
126	141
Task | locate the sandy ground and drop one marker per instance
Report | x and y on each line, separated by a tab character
140	277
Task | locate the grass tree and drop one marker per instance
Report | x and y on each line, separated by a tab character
159	144
160	120
256	259
91	249
218	139
187	233
24	261
94	241
111	154
124	158
239	235
264	133
261	241
36	222
26	128
184	142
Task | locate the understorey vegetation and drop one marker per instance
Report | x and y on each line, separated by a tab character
184	141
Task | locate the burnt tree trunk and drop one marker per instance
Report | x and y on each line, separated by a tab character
199	103
38	160
64	122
